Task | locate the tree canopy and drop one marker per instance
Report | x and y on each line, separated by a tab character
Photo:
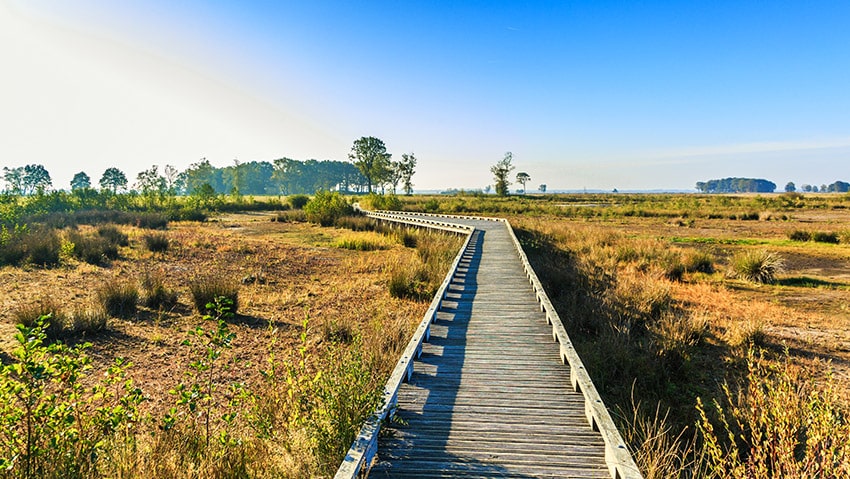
737	185
113	179
523	178
26	180
500	171
369	155
80	181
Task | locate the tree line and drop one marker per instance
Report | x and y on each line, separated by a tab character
755	185
370	167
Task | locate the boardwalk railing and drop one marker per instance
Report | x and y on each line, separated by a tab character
365	445
620	463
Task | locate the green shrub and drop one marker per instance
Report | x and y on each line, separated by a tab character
799	235
757	266
156	243
777	424
326	207
112	234
206	289
388	202
56	421
119	298
825	237
298	201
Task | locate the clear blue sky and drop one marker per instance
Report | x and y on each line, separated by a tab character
597	95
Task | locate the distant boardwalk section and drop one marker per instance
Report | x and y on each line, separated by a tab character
490	385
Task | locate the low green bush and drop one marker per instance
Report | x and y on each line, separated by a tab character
298	202
326	207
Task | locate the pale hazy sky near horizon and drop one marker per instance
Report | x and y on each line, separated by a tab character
586	94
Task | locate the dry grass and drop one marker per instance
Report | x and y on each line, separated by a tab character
673	339
352	322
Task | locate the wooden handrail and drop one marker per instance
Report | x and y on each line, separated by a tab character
365	445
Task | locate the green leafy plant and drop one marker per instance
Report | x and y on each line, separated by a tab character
196	399
326	207
51	426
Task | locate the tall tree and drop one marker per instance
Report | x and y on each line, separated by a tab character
500	171
14	178
407	167
790	187
172	179
36	178
152	185
523	178
369	155
81	180
542	188
113	179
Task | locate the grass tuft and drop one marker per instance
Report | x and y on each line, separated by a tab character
205	290
118	298
758	266
156	243
155	294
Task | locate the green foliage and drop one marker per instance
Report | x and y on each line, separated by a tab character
388	202
777	425
206	289
369	155
51	426
298	201
758	266
113	179
326	207
500	171
737	185
196	399
119	298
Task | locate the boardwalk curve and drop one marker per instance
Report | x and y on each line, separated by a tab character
483	390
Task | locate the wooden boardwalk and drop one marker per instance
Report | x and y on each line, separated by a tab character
490	396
